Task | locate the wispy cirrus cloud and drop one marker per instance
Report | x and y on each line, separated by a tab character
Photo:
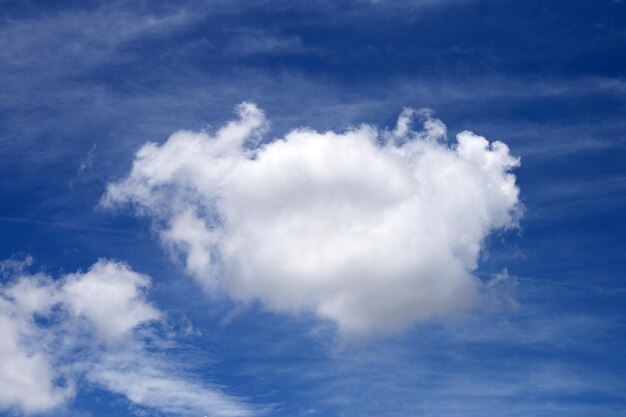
78	38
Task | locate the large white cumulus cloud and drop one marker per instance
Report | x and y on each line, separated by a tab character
374	229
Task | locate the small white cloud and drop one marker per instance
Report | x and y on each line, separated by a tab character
15	265
110	295
109	301
372	229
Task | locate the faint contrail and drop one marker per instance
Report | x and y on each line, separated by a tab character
65	225
570	285
556	283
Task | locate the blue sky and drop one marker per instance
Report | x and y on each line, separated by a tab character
119	305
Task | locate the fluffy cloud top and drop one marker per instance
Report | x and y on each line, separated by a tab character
110	296
54	331
374	229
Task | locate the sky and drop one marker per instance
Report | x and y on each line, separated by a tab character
313	208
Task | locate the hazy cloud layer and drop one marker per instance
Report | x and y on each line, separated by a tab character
87	324
374	229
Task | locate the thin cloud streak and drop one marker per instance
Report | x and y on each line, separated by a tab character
74	226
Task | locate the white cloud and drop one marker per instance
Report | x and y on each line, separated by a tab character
26	377
39	360
110	296
372	229
27	374
148	382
